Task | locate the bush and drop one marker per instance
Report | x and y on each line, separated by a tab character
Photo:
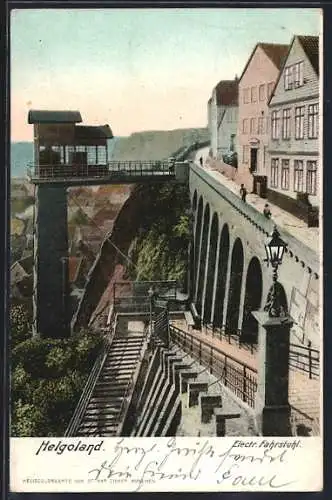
48	376
20	324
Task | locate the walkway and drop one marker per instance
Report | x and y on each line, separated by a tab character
304	394
310	237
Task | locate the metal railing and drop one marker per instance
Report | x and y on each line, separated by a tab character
305	359
111	169
239	377
83	402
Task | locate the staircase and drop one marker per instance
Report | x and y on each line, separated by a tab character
106	406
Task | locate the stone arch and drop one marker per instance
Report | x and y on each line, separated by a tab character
252	301
197	238
202	259
234	294
194	201
221	277
213	243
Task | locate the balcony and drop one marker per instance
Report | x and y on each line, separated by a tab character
112	172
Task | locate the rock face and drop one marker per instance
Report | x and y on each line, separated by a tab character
124	231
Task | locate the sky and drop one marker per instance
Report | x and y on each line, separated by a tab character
136	69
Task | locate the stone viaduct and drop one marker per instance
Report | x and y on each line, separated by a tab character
228	275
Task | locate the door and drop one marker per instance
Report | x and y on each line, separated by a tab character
253	159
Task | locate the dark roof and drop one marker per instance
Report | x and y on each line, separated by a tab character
93	132
227	93
310	46
276	52
40	116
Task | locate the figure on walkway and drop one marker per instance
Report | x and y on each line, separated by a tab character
243	192
267	211
201	161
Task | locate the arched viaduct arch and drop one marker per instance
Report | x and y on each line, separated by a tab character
235	284
203	258
211	266
252	300
221	277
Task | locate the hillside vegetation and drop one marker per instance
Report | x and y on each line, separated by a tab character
156	145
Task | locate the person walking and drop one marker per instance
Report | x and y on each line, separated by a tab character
267	211
201	161
243	192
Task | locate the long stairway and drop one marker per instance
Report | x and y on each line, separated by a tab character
103	414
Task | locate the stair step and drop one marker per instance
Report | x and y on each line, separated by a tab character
102	411
112	384
100	418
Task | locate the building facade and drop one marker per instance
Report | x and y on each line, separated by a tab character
294	118
222	118
255	88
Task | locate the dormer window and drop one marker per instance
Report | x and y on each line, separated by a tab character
293	76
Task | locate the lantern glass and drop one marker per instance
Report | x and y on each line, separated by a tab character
275	248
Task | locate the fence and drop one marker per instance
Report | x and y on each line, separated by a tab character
88	389
305	359
239	377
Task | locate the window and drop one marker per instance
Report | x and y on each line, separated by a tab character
253	94
245	154
288	78
262	92
261	125
299	122
245	96
232	142
275	124
286	115
245	126
252	125
313	121
274	172
311	177
270	90
285	174
298	74
298	176
293	76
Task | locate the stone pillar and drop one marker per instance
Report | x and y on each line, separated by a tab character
272	404
227	285
208	257
216	271
198	263
51	285
242	296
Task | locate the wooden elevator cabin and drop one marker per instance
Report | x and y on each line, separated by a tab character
62	150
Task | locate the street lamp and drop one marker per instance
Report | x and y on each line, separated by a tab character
275	248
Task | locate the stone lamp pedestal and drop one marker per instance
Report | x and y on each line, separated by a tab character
272	404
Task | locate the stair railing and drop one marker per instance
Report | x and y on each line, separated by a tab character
83	402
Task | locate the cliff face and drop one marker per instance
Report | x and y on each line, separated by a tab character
151	228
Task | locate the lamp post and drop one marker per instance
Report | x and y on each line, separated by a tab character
275	248
272	398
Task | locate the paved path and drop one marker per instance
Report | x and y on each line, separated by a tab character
304	394
310	237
